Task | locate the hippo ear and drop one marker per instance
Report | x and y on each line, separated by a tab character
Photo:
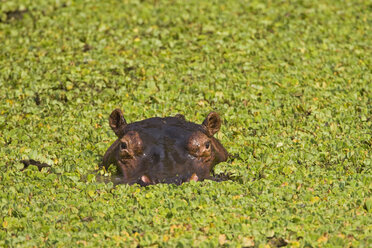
117	122
212	123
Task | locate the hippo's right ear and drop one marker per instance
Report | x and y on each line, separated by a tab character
212	123
117	122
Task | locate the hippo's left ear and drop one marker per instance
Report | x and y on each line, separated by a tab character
117	122
212	123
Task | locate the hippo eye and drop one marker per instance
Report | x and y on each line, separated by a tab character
123	145
207	145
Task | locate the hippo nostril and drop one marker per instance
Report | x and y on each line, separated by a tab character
194	177
145	179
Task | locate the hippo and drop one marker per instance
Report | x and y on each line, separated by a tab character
164	150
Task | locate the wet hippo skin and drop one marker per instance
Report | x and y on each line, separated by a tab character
164	150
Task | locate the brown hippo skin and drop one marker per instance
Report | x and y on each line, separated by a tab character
164	150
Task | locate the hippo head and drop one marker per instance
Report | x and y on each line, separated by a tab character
164	150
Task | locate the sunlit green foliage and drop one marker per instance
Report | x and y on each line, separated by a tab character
291	80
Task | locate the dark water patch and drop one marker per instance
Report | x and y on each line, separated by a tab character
14	15
224	177
277	241
115	179
39	165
